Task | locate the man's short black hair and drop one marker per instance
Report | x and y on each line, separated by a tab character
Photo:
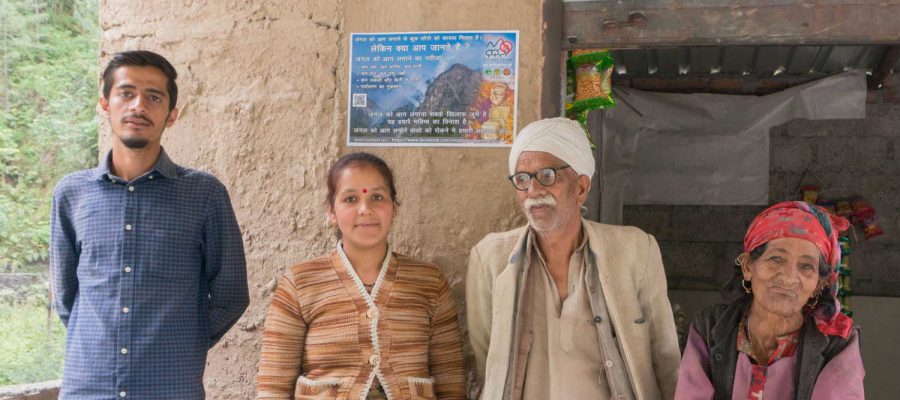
142	58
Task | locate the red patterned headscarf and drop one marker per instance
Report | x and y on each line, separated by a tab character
797	219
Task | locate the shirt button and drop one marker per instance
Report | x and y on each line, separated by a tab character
124	351
314	390
597	319
127	269
374	359
609	364
125	310
131	188
122	394
127	227
372	313
151	177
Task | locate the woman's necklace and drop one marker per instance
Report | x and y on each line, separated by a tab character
750	337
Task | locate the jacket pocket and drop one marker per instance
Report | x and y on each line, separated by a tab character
325	388
421	388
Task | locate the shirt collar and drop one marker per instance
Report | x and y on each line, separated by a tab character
163	165
529	236
531	241
102	169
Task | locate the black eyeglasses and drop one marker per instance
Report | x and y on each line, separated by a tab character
545	176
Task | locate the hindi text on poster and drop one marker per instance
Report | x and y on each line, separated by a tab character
433	89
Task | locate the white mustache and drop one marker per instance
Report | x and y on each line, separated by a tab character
546	200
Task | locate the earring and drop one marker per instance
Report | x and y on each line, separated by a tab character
737	261
814	303
746	285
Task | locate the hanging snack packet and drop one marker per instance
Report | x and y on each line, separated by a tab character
843	208
593	70
588	82
864	214
810	193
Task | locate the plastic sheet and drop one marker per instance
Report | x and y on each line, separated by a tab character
707	149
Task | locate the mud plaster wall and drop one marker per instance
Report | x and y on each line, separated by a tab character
262	89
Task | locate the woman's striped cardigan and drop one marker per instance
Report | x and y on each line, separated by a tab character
326	337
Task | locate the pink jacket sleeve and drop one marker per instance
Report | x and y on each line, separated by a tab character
693	373
842	377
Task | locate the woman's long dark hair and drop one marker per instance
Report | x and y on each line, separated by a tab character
734	292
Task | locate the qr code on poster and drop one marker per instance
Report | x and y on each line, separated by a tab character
359	99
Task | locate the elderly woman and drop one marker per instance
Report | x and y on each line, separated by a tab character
783	336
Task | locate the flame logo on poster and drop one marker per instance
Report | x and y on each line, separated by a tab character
498	49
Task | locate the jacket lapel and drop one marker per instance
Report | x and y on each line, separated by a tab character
810	359
503	299
723	353
601	259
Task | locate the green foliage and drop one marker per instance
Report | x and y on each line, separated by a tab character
32	340
48	124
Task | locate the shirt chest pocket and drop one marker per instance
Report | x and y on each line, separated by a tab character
421	388
174	256
309	389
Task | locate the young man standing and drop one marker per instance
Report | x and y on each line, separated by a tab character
147	262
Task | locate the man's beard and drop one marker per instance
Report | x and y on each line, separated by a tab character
135	143
551	222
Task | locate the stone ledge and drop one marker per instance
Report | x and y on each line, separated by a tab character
48	390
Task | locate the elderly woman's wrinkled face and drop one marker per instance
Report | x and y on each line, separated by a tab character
785	277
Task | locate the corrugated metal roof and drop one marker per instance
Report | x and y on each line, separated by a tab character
759	61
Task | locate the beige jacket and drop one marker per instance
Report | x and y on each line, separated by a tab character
634	288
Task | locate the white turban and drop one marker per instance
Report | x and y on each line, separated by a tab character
561	137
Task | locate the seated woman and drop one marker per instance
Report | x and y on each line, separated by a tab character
783	336
362	321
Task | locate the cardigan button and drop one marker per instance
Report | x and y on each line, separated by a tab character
718	356
372	313
597	319
314	390
374	359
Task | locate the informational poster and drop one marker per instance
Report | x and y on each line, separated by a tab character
433	89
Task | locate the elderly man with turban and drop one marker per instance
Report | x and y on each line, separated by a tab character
566	308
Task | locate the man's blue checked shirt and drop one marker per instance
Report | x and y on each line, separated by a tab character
146	275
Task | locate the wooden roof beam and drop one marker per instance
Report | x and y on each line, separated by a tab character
642	23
